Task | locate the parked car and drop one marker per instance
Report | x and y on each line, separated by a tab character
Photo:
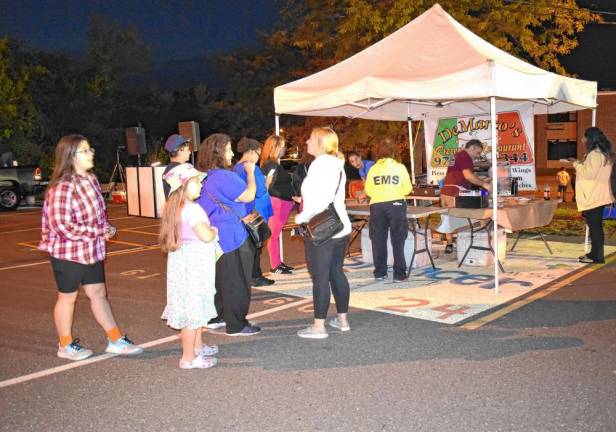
17	182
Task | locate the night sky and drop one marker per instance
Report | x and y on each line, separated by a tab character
173	29
182	33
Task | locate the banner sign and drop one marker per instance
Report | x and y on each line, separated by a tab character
446	136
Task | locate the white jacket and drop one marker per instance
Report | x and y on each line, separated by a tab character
318	191
592	183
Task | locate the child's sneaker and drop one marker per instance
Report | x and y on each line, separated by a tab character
207	350
74	351
199	362
123	346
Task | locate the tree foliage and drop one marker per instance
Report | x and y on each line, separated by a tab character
17	111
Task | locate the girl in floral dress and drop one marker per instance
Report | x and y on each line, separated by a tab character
191	242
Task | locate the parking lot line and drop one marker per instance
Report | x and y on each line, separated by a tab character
474	325
98	358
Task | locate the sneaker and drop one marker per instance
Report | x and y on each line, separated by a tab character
199	362
380	278
123	346
262	281
207	350
74	351
215	323
400	280
449	249
280	270
335	323
286	266
249	330
309	333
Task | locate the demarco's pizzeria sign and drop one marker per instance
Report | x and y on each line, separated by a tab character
444	137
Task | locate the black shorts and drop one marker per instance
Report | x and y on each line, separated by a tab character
70	275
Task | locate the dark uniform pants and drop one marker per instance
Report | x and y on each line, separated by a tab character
388	217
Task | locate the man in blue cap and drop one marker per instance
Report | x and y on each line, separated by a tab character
178	147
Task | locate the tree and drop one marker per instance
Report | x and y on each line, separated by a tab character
17	112
332	30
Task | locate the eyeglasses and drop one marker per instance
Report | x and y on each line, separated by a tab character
87	150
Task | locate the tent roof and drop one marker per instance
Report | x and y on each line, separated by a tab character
433	66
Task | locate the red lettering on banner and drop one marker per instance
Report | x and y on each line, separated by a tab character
448	311
407	304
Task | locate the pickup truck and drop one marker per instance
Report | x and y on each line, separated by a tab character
17	182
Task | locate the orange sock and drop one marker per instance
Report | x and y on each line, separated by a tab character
65	340
114	334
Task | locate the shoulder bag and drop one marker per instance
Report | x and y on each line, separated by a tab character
326	224
255	225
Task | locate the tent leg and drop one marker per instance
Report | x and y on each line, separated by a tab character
277	124
494	188
411	144
594	117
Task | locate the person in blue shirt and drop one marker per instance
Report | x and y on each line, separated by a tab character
223	197
361	165
251	152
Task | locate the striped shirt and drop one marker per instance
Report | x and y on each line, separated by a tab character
74	220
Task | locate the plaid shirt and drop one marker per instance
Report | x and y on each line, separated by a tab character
74	220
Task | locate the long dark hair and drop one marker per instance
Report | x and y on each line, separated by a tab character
212	152
65	153
596	139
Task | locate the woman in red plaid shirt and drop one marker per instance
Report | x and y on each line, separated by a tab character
74	231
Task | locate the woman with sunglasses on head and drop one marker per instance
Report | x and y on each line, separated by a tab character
592	189
251	152
74	231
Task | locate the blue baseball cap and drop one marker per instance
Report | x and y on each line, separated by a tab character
175	141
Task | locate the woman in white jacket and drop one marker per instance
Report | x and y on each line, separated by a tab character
592	189
325	183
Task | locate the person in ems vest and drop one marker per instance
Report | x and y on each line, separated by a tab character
387	184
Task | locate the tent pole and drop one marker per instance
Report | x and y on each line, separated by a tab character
411	144
594	117
494	189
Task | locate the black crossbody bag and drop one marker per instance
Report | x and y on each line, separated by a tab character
326	224
255	225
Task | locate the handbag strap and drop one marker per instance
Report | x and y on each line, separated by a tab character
221	205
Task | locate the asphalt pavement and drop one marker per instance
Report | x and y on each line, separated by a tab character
547	366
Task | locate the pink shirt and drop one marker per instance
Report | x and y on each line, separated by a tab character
192	214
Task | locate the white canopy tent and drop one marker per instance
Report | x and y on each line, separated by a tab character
433	67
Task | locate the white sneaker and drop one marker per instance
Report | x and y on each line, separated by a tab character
207	350
309	333
199	362
123	346
74	351
335	323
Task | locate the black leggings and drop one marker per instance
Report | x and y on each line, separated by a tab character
594	220
325	266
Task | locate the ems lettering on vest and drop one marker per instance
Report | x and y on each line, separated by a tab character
386	179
